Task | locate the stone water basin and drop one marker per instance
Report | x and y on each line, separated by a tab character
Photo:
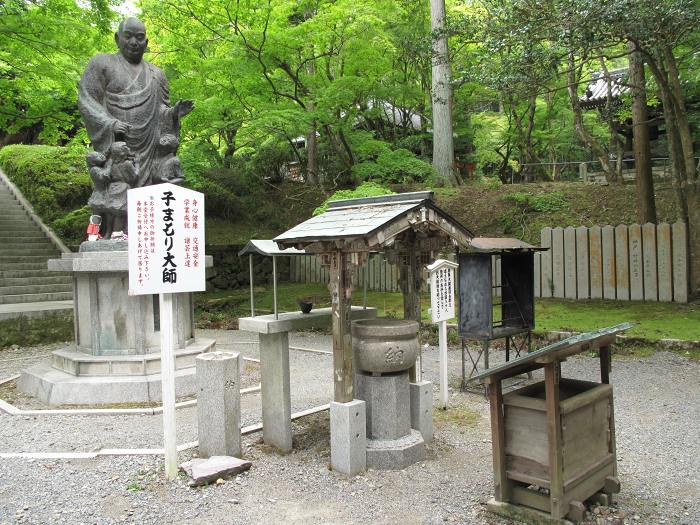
384	345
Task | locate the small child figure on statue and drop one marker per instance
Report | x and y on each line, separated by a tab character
169	169
123	174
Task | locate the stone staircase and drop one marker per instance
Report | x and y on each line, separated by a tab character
26	286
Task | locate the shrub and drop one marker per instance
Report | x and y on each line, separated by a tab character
394	167
544	202
366	189
54	179
72	227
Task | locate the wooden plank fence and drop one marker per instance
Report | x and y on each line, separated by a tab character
380	275
637	262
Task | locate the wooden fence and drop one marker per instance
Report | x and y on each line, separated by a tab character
381	276
637	262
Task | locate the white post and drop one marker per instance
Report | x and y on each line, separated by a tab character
252	294
274	284
167	371
442	328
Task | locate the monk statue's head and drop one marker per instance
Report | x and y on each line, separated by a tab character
131	39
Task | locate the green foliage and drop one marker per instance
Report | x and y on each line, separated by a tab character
366	189
394	167
54	179
44	46
72	227
542	202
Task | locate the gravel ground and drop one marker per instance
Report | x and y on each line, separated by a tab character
657	407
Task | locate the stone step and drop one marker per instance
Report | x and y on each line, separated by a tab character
23	237
12	220
33	243
34	289
34	280
10	211
21	273
29	259
18	226
35	297
28	250
23	266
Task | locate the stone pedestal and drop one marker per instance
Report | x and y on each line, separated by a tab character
116	355
384	350
274	367
391	442
218	404
276	400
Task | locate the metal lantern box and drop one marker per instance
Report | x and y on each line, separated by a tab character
553	441
480	289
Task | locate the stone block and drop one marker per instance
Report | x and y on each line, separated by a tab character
203	471
388	404
395	454
348	437
422	409
218	404
276	400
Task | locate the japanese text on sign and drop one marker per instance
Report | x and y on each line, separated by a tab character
442	292
166	240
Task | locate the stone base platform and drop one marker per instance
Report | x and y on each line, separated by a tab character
395	454
109	379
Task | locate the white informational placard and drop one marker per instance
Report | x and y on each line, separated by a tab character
442	307
442	290
166	240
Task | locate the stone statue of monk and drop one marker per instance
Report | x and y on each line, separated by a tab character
123	98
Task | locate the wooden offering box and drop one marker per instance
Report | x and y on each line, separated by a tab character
553	441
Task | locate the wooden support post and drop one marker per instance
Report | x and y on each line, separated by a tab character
410	286
605	364
340	287
498	445
556	481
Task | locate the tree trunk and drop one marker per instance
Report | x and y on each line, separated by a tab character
681	114
675	153
443	145
312	154
589	140
615	174
646	206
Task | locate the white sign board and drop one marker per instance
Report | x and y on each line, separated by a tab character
166	240
442	290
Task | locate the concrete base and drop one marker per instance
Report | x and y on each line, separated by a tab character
422	409
395	454
57	387
348	437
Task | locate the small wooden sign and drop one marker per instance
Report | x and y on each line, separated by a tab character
166	240
442	290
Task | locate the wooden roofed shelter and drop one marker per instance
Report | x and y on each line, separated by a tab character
553	441
409	228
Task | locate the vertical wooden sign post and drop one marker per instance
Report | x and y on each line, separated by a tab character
166	256
442	307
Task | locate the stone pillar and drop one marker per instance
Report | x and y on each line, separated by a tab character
422	409
218	404
348	437
276	401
